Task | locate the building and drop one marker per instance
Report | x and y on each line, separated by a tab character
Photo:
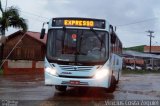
154	49
24	53
140	59
137	61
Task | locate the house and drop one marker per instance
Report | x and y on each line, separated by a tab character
140	58
24	53
137	61
154	49
132	57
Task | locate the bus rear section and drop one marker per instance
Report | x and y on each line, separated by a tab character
79	53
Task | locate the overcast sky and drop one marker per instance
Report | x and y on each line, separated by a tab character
132	17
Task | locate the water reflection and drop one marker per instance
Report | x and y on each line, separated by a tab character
80	96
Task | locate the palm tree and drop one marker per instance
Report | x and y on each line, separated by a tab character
10	18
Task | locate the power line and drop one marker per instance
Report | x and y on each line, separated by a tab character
35	19
26	11
137	22
121	25
31	13
34	14
139	32
6	5
14	48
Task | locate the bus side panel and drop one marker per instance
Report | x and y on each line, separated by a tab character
116	65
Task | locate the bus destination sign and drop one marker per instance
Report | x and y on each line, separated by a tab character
79	22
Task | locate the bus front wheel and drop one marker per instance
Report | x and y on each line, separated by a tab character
61	88
112	86
117	78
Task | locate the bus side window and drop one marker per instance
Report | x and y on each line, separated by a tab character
113	61
117	62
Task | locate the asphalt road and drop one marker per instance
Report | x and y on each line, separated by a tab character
27	90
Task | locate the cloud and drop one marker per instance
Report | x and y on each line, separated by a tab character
117	12
32	11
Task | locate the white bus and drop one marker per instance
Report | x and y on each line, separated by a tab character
82	52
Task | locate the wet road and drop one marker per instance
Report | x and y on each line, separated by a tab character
31	91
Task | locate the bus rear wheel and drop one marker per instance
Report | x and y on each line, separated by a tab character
61	88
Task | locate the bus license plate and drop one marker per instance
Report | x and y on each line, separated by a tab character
74	82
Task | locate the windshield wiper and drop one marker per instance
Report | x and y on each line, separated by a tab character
101	40
79	45
64	35
77	52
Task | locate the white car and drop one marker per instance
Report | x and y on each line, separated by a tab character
129	67
149	67
138	68
155	67
132	67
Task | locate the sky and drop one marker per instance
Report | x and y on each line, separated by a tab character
132	18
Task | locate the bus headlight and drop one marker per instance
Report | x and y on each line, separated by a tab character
101	73
51	70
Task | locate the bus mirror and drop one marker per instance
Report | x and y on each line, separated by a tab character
113	38
42	33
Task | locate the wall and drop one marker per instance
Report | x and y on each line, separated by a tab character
23	67
27	49
132	61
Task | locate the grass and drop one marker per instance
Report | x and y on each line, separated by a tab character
1	71
125	71
136	48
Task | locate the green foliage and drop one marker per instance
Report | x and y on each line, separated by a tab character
11	18
136	48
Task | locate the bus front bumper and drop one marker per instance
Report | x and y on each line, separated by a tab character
84	82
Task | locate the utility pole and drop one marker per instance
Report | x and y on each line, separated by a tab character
6	5
151	36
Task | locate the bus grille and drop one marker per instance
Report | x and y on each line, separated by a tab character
75	68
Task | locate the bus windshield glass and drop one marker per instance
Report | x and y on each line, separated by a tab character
77	45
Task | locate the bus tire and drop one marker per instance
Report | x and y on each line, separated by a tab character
117	79
112	86
61	88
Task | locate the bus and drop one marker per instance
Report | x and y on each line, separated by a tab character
81	52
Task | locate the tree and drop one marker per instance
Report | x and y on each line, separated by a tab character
10	18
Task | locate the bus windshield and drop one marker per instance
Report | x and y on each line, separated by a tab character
77	45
